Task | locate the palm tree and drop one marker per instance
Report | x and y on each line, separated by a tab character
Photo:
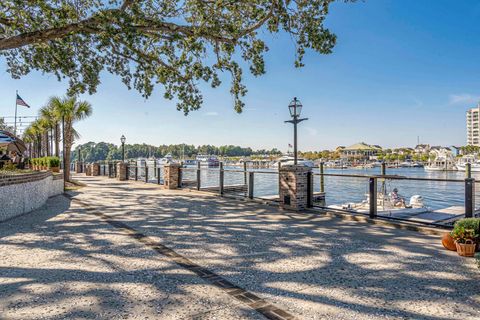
45	128
69	110
48	113
36	130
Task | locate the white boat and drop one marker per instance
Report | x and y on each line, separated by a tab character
385	206
336	164
474	167
289	160
474	163
165	160
441	164
207	160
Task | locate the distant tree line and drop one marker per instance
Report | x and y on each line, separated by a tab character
92	151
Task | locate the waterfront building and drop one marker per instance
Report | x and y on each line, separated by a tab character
360	151
441	152
422	149
473	135
456	151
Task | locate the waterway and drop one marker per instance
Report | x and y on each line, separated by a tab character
339	190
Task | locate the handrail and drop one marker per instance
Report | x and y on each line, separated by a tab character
392	177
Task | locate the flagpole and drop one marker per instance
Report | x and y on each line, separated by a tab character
15	127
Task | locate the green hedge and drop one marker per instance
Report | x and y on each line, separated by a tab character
50	162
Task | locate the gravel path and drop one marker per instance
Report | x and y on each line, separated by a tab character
66	261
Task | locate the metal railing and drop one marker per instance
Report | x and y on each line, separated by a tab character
264	184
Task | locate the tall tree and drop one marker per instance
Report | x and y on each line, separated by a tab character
176	43
48	113
70	110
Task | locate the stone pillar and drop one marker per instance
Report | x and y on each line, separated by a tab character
171	175
122	173
95	169
78	167
88	169
293	187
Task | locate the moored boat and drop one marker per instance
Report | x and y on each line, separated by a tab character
208	160
289	160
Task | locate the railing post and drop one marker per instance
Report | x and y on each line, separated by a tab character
383	169
244	172
322	178
221	176
469	197
468	170
198	175
310	189
158	175
154	168
250	185
372	192
146	172
136	172
180	175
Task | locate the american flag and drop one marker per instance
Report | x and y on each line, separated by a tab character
20	102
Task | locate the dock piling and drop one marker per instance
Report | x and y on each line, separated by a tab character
250	185
221	176
198	175
468	170
322	178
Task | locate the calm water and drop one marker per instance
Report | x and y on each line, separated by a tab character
347	189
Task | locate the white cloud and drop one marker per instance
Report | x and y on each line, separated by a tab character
463	98
211	114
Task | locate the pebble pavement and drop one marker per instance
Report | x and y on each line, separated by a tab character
64	261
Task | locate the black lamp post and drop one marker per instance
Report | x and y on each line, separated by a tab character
122	139
295	108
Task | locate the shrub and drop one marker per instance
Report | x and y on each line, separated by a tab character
53	162
10	167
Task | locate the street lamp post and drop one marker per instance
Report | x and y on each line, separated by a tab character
122	139
295	108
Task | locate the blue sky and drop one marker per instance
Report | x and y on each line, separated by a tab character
401	69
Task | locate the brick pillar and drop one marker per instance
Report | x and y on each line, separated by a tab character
122	173
171	175
88	170
95	169
78	166
293	187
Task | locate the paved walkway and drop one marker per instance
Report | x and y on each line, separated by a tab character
120	250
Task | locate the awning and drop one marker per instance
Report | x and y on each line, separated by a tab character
11	142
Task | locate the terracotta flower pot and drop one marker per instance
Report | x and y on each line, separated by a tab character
466	249
448	242
55	169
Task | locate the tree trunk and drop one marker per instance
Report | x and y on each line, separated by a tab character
67	141
57	139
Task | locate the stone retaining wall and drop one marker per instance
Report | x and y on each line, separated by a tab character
23	193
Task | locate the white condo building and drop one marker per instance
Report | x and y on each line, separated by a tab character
473	122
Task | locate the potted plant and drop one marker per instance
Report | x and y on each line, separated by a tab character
54	164
465	240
